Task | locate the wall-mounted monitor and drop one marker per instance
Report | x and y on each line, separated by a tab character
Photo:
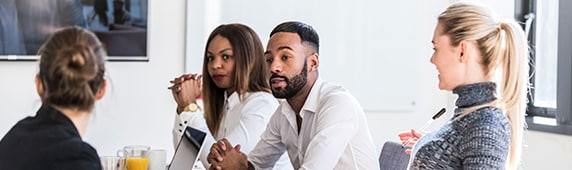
121	25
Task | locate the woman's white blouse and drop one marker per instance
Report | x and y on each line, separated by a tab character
244	120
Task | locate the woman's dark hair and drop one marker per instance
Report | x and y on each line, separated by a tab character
250	74
72	68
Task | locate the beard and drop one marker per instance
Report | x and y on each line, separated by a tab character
293	85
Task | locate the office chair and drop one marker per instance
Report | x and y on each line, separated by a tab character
393	157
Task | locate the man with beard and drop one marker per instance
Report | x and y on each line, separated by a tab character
321	125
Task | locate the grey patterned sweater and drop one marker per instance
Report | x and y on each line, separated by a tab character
479	140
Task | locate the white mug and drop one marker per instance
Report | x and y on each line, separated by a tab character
157	159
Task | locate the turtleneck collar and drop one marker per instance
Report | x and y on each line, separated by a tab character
475	94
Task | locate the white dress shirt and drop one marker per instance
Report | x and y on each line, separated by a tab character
334	133
244	119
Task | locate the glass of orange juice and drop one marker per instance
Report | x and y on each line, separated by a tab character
136	156
137	163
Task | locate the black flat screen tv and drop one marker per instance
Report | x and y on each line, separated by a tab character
121	25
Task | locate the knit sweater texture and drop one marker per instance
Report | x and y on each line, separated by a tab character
478	140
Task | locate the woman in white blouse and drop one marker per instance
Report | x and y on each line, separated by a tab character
237	99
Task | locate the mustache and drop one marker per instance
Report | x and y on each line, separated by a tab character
278	76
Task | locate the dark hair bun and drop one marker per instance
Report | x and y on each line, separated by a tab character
72	68
80	66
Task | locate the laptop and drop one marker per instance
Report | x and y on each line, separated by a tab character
188	150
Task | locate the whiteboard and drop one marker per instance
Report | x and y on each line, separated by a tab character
371	47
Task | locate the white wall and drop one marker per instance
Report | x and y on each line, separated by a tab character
140	110
350	34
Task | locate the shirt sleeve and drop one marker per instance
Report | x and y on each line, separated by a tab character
336	124
192	119
87	163
77	155
270	147
195	120
254	116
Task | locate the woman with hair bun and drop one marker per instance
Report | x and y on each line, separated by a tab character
70	80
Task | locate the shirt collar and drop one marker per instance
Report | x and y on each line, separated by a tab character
475	94
49	113
311	103
232	100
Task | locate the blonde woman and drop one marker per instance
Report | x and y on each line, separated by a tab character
477	55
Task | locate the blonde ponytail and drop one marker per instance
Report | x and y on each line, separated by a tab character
514	85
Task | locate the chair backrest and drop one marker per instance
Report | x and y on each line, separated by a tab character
393	157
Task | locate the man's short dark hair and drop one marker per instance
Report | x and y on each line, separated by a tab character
305	31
